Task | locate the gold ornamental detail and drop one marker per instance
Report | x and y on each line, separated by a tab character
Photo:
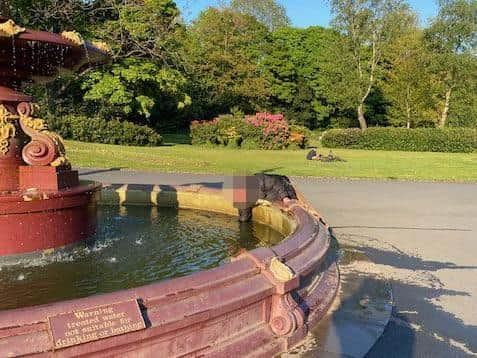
10	29
74	37
103	46
281	271
46	148
7	129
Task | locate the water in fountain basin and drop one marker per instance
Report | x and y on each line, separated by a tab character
133	247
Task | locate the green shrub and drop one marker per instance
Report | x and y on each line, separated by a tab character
204	133
250	144
452	140
98	130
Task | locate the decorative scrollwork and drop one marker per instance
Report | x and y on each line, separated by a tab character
27	109
40	151
45	147
286	315
7	129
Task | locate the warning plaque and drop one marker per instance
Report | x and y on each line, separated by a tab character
91	324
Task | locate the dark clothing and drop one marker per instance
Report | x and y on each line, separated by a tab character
275	187
311	155
272	188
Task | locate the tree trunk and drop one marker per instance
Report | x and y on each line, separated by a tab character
445	111
361	119
408	116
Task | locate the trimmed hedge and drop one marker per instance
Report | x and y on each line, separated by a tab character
97	130
451	140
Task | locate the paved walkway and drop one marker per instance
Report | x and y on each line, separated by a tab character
420	236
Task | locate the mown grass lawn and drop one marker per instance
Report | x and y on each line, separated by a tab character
360	163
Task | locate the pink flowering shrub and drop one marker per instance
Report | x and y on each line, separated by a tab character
261	131
274	129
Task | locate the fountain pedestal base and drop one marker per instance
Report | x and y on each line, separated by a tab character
47	178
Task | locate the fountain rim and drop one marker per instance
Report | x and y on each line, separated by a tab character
17	196
12	96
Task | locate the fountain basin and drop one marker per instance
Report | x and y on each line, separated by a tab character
241	308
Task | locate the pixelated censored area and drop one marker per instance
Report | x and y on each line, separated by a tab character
242	191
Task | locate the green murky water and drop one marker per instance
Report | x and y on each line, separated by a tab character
133	247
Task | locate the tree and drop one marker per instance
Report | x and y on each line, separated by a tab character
407	83
132	88
463	108
368	27
452	38
293	68
145	81
269	12
225	48
59	15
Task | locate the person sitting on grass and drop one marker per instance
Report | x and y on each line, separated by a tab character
313	155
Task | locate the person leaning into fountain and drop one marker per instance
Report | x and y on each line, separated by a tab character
249	191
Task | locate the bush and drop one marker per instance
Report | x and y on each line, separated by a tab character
271	130
452	140
261	131
98	130
204	132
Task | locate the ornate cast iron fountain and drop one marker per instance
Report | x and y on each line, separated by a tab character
42	205
262	303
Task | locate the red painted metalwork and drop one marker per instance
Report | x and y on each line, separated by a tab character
47	178
39	56
239	309
41	203
38	220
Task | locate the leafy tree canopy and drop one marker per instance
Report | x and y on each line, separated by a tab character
269	12
294	69
225	48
